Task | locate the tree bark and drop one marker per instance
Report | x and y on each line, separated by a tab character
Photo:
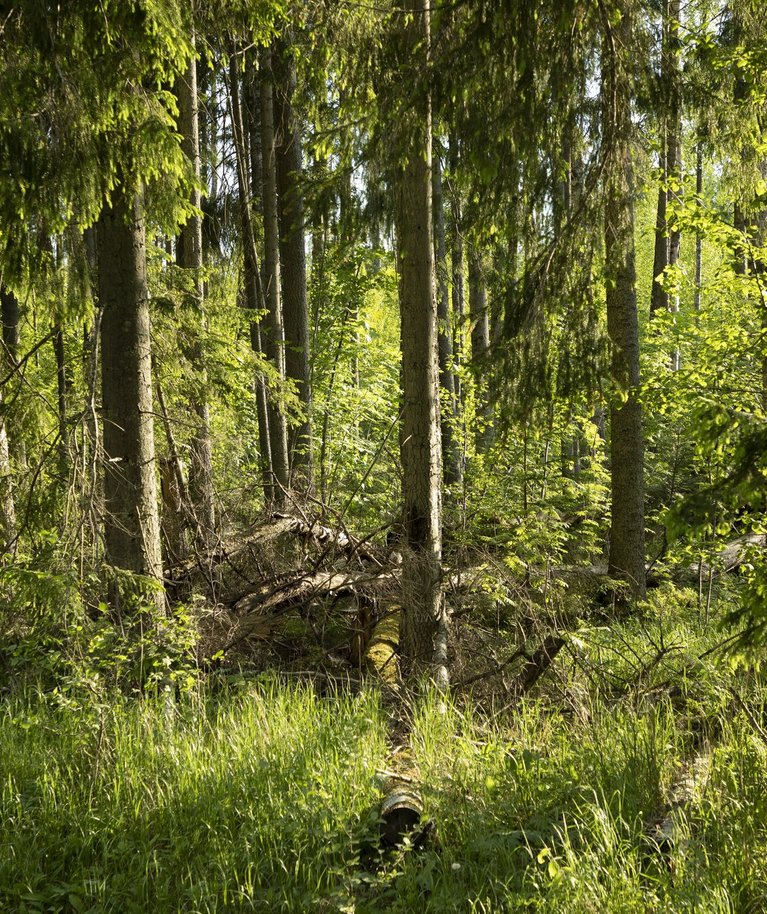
451	455
190	258
456	272
243	120
289	162
62	390
10	318
627	547
11	315
480	348
131	524
659	296
423	621
275	338
668	243
674	153
699	234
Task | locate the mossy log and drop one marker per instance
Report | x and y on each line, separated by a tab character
381	653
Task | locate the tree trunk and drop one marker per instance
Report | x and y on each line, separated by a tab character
423	622
293	256
626	557
10	319
131	523
243	119
190	258
480	347
11	316
456	273
174	525
93	453
659	296
7	502
451	455
62	389
674	152
275	338
668	243
699	234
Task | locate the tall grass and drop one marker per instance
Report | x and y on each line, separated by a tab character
258	802
265	798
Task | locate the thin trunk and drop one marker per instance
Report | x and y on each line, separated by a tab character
254	294
347	209
190	258
674	154
93	444
346	233
759	237
626	558
423	623
175	495
456	273
659	296
11	315
699	235
480	348
289	162
132	524
62	387
668	243
569	192
7	501
275	338
451	455
10	319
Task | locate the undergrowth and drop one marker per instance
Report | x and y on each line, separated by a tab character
264	796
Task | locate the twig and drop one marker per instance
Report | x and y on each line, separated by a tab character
498	668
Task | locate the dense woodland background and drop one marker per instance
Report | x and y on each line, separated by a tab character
383	408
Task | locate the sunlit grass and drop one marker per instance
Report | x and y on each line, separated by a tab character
261	799
265	797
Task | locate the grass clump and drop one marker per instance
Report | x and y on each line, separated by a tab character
258	801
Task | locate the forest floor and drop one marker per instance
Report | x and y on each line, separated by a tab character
631	777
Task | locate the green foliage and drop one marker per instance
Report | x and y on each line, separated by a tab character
356	381
90	83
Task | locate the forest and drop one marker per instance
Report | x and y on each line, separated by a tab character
383	456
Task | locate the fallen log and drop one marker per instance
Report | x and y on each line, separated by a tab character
729	558
401	812
267	553
531	670
307	587
334	539
381	653
667	832
257	613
